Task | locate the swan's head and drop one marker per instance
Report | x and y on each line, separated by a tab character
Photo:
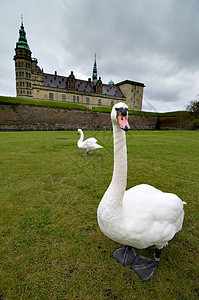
119	115
78	131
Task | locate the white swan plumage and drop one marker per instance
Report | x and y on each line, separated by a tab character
142	216
89	145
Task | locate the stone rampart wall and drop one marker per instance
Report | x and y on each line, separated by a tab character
26	117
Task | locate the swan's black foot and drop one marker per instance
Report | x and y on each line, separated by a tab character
157	254
144	267
85	154
125	255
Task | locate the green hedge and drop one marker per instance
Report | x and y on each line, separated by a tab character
146	113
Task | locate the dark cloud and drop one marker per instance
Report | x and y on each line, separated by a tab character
152	41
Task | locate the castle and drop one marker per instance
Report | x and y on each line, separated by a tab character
32	82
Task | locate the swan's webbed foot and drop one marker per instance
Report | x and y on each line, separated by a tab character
144	267
86	154
125	255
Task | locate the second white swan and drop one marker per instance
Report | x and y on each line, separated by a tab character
89	144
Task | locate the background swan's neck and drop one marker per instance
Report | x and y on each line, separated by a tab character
81	136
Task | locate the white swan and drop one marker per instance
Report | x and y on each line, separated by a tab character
89	144
139	217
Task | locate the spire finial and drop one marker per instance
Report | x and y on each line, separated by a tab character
21	19
94	76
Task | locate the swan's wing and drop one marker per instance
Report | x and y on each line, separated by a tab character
153	202
151	211
89	143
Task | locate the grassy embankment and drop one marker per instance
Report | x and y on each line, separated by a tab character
51	245
67	105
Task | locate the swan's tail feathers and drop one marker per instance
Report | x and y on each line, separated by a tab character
144	267
126	255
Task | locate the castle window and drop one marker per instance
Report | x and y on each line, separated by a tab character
87	100
99	102
74	99
19	64
77	99
50	96
22	74
22	64
64	97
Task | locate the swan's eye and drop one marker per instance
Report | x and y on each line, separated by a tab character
121	111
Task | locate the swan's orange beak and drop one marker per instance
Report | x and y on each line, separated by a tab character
123	122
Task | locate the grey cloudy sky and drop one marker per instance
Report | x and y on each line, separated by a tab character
151	41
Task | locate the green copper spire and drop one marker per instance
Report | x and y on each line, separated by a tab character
94	77
22	41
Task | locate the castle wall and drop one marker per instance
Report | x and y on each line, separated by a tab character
88	99
26	117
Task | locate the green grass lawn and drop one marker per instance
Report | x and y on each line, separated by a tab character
51	246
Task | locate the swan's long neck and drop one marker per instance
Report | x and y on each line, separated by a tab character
81	136
119	178
117	187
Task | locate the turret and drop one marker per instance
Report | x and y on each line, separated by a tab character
23	62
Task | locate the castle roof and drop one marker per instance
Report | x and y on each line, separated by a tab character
22	40
130	82
87	86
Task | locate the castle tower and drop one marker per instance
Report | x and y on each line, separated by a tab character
23	65
94	76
